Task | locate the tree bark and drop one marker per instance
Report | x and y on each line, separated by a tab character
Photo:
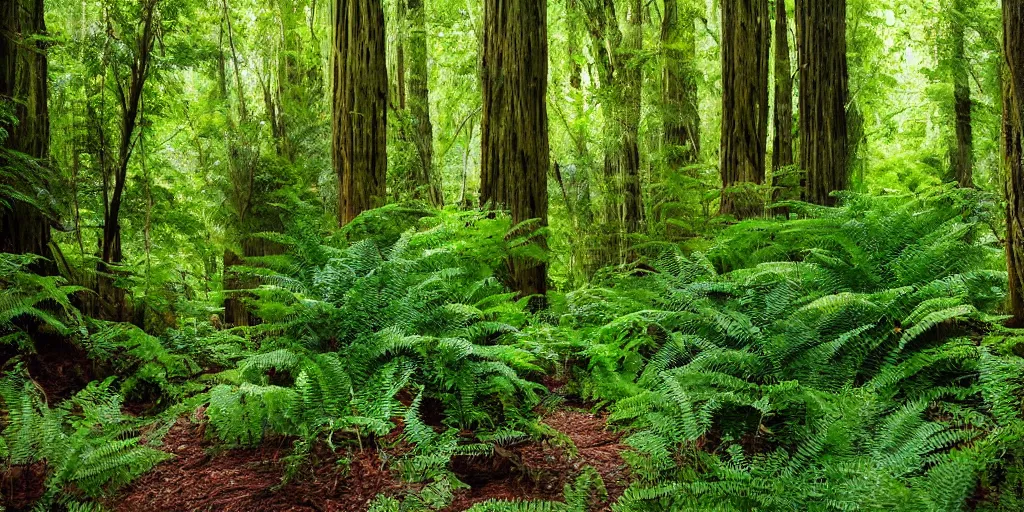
24	228
632	87
782	145
745	47
824	92
1013	130
419	104
681	116
514	124
962	157
360	107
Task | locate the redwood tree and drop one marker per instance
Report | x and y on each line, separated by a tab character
419	104
962	154
824	92
23	86
1013	129
782	145
681	115
360	106
514	122
745	46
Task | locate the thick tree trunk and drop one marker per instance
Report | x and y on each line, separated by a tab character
681	116
745	47
24	229
962	157
782	145
514	123
360	106
419	104
821	45
1013	130
632	87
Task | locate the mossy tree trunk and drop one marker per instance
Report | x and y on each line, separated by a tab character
359	111
632	88
419	105
962	155
1013	129
745	47
680	115
824	92
24	229
514	123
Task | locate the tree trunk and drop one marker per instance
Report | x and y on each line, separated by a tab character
962	157
745	46
632	87
681	116
419	104
821	45
1013	130
782	146
514	123
574	49
112	298
24	229
360	107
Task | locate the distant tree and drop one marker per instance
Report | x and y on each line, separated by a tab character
514	122
681	115
130	74
782	144
360	106
962	153
419	104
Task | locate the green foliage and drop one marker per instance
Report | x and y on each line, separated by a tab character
827	363
88	445
30	298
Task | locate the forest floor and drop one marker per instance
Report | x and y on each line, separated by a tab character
250	479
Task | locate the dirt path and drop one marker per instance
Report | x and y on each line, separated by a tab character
248	480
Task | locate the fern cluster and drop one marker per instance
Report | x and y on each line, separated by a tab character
355	339
89	446
829	363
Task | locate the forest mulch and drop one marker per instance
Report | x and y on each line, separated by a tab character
250	479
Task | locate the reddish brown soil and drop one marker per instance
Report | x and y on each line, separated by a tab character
21	486
248	480
540	471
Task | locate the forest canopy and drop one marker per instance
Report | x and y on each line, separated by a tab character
512	255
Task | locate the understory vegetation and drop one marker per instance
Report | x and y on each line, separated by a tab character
512	255
850	359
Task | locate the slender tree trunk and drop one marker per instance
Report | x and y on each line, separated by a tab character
112	298
632	87
514	123
360	106
1013	130
24	229
963	155
403	21
574	48
824	92
681	115
745	46
782	146
419	103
